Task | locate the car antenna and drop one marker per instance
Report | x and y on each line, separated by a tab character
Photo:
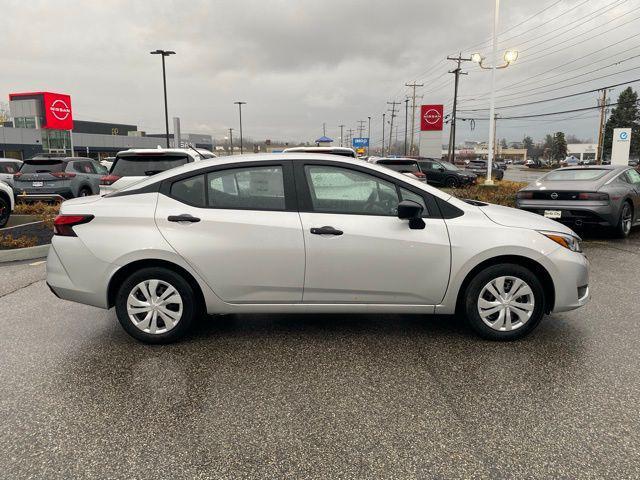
190	145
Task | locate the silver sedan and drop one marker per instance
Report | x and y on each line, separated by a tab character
602	195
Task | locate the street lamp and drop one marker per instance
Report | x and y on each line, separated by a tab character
240	110
509	57
164	53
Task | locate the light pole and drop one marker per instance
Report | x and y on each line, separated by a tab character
231	141
369	136
383	120
510	56
164	53
240	111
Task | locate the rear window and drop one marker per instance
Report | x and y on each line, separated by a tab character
401	166
146	165
577	174
9	167
42	166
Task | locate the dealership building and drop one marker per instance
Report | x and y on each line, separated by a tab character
42	122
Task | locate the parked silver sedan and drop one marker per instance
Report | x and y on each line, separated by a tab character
602	195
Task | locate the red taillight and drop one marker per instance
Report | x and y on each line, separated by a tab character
419	174
593	196
63	175
63	224
17	175
109	179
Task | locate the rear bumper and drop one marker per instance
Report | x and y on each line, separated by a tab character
573	215
41	194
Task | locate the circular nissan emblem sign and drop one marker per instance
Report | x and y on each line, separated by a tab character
60	109
554	196
623	135
432	116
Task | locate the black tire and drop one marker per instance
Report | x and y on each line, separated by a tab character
623	228
85	192
5	211
187	296
477	285
451	182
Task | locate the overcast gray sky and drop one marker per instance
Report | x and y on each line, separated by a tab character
301	63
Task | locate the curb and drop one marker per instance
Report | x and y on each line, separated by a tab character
29	253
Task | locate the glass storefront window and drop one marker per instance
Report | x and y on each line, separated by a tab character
56	140
25	122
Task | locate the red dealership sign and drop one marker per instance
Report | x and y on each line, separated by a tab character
55	106
431	117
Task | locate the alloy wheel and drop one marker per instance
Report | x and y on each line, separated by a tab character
154	306
506	303
626	219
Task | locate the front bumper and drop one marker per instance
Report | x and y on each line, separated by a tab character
571	279
573	215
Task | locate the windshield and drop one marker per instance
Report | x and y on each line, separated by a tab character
449	166
401	166
576	174
145	165
42	166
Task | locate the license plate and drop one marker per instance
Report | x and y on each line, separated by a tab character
553	213
38	184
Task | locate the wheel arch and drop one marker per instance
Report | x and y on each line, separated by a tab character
538	269
122	273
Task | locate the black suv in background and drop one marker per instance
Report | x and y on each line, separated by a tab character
479	167
445	174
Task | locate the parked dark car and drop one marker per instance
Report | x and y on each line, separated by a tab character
479	167
446	174
604	195
50	178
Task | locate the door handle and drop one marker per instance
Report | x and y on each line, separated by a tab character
185	217
326	231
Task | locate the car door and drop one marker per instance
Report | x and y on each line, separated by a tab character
97	172
357	250
238	227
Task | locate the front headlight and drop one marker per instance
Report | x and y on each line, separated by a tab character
567	241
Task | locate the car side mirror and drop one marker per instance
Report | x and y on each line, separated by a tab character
441	169
412	211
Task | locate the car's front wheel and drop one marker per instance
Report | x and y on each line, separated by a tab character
504	302
451	182
156	305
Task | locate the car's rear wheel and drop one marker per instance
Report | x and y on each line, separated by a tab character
85	192
623	228
451	182
5	211
156	305
504	302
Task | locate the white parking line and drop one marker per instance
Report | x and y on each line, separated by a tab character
37	263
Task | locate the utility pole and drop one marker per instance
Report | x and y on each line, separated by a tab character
341	135
240	111
231	141
383	121
393	115
452	132
406	118
602	102
324	129
413	110
350	135
495	145
369	136
360	128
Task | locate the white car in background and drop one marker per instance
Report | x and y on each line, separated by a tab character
309	234
8	167
133	165
7	202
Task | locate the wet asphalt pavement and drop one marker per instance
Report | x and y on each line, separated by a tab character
322	396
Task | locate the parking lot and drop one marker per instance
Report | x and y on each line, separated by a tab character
344	396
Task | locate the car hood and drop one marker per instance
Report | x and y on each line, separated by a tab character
512	217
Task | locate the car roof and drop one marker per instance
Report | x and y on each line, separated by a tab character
394	159
270	157
3	159
168	151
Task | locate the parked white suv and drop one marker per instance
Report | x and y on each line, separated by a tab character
309	233
133	165
6	202
8	168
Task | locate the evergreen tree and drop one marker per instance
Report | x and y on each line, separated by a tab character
527	142
624	115
559	147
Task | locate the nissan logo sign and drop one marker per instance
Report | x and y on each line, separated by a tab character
60	109
554	196
432	116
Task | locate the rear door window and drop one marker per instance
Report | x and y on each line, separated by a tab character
146	165
8	167
251	188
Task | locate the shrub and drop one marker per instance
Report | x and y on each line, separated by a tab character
8	241
503	193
